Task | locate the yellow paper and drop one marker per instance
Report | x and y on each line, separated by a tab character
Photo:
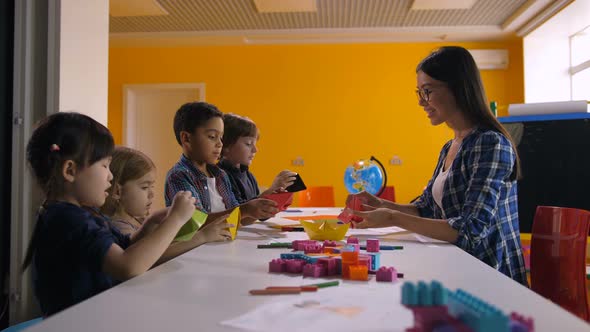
234	218
325	229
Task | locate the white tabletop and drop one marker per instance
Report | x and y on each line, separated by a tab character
210	284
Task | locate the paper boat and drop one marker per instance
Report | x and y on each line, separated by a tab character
189	229
325	229
234	219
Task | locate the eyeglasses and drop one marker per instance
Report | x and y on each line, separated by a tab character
424	94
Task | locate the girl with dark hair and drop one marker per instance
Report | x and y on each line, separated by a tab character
74	252
471	199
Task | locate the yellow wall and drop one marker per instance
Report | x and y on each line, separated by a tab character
330	104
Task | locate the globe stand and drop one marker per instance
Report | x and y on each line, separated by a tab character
384	175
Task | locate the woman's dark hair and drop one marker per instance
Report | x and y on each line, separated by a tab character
57	138
455	66
192	115
236	126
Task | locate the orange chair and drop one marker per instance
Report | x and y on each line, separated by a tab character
558	257
316	197
388	193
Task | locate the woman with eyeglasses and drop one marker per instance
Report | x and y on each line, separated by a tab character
471	200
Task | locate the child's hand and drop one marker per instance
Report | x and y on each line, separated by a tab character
183	206
282	181
216	230
259	208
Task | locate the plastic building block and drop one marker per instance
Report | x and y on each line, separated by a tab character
345	269
409	294
294	265
372	245
476	313
375	261
436	318
358	272
293	255
351	257
328	243
365	260
299	245
519	323
388	274
311	259
437	309
352	239
314	270
439	293
331	265
277	266
314	248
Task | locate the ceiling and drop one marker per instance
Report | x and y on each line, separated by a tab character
321	21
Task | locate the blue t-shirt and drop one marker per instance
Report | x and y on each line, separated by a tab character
68	257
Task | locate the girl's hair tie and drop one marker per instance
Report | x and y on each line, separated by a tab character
54	148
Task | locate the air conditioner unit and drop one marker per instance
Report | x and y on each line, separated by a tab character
490	59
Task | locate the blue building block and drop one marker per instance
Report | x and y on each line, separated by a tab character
477	314
439	293
293	255
424	295
375	260
409	294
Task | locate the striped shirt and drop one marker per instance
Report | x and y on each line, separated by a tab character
480	201
185	176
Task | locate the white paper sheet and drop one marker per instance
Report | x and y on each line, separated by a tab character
352	306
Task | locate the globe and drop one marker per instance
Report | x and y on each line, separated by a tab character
368	175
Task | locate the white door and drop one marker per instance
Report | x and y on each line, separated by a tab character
148	124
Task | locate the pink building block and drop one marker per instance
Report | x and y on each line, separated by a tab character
331	265
299	245
388	274
372	245
365	260
526	322
277	266
314	248
330	244
352	239
314	270
294	265
429	318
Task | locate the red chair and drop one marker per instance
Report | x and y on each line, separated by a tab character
316	197
388	193
558	257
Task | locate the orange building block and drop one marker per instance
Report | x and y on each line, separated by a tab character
358	272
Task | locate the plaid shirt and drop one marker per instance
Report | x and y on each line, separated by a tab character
185	176
480	201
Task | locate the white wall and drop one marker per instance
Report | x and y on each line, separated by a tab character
84	56
547	54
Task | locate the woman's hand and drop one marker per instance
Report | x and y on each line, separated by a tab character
374	218
365	198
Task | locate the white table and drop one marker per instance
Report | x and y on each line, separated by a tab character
210	284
